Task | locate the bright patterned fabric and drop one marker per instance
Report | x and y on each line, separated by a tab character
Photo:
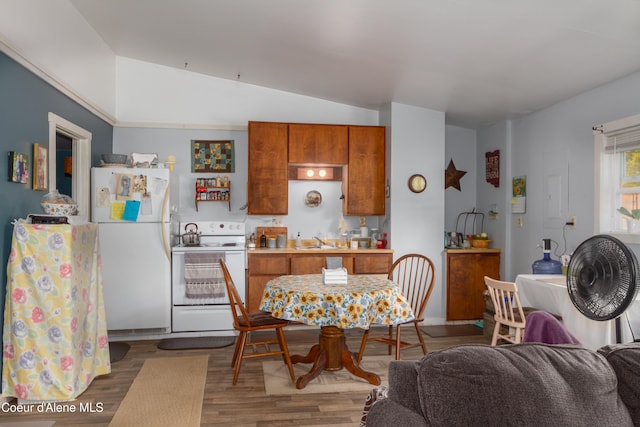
363	301
55	332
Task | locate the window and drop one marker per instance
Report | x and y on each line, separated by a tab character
618	177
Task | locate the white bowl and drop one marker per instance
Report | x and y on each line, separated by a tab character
59	209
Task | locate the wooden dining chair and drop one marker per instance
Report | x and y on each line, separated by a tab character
415	275
246	323
508	311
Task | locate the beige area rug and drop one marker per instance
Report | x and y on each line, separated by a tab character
277	381
27	424
166	392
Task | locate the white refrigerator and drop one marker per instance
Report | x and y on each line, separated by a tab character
131	206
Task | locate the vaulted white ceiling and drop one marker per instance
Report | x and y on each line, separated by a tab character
479	61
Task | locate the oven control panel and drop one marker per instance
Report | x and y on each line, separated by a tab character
219	228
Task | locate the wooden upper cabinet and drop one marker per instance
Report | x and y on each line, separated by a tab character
267	182
318	143
364	189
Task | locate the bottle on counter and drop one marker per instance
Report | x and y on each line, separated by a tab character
263	240
382	243
298	241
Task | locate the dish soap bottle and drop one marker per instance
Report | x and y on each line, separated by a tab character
263	240
298	241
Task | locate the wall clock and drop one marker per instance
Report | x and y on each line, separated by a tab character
417	183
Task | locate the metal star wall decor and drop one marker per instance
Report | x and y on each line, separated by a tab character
452	176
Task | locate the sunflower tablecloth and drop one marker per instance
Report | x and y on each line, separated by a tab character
55	334
363	301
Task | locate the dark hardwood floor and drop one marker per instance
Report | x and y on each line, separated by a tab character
245	404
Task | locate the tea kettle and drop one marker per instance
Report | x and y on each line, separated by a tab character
191	236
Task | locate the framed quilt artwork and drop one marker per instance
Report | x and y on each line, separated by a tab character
212	156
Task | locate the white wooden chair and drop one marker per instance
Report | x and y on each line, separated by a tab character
508	311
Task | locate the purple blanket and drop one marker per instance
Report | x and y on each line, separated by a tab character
542	327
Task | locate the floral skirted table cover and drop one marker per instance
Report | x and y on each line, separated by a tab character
363	301
55	333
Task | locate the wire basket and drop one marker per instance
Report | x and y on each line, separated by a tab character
472	223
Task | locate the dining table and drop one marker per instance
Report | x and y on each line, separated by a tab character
359	303
548	292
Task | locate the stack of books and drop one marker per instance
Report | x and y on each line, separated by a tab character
335	276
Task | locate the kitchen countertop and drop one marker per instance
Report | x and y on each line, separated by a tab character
471	250
318	251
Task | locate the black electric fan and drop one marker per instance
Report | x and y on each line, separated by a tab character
602	279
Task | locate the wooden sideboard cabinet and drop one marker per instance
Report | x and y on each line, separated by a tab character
466	269
264	265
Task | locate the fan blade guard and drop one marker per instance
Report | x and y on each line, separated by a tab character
601	277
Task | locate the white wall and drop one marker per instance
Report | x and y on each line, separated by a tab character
564	126
154	94
416	221
461	148
61	47
490	139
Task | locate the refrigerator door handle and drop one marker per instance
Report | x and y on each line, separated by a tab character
165	239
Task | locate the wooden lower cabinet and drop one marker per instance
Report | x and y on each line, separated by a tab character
261	269
310	264
373	264
264	266
465	281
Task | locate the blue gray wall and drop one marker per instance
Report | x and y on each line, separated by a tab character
25	103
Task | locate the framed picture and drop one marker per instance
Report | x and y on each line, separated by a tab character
18	167
212	156
40	167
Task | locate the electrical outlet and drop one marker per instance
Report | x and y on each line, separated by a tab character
519	221
572	221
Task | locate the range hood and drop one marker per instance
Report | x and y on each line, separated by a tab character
314	172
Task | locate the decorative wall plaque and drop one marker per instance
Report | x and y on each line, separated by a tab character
492	162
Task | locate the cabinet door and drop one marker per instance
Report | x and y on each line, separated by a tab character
313	264
261	269
365	187
267	182
320	144
465	283
373	264
255	288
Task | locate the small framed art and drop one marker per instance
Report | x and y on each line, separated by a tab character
40	167
18	167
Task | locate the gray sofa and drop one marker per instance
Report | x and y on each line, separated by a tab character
514	385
